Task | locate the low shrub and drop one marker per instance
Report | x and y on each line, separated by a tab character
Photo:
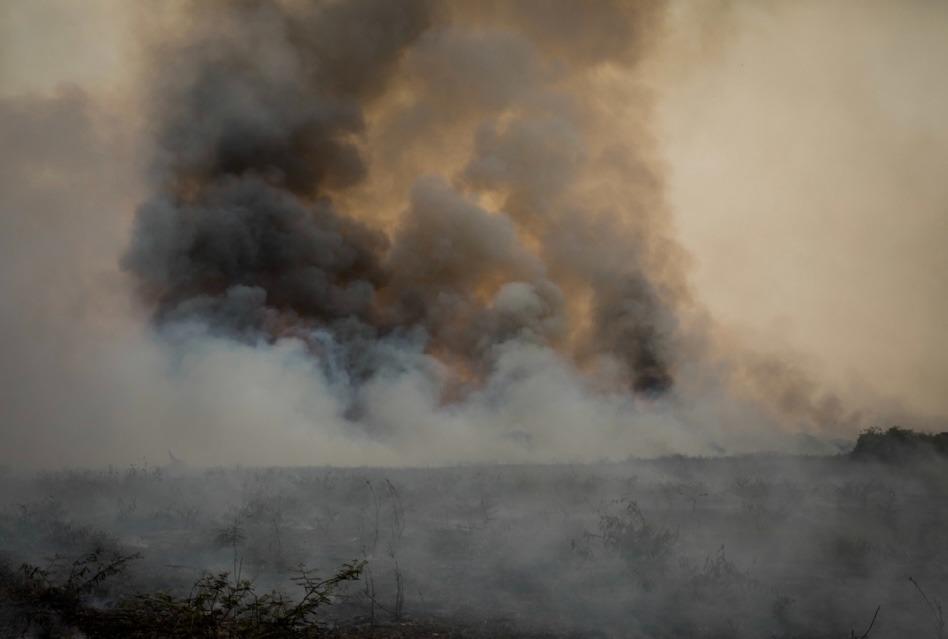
50	602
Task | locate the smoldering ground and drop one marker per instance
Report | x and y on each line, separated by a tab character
678	547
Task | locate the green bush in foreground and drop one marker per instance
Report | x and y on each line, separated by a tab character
40	605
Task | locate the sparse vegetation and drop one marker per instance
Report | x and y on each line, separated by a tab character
37	603
769	546
643	546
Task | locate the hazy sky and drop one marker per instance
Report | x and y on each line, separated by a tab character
808	152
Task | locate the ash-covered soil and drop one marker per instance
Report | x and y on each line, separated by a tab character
775	546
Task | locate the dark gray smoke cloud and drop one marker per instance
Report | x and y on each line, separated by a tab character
261	111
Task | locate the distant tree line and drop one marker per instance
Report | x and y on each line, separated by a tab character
899	445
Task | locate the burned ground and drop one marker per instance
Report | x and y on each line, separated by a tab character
782	546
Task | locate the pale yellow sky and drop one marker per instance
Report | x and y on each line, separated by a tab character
49	42
809	153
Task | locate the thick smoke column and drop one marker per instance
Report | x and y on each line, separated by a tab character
241	231
548	233
436	232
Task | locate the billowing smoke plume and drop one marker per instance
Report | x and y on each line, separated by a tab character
373	232
262	112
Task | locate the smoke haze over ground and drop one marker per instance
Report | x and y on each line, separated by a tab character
374	233
553	315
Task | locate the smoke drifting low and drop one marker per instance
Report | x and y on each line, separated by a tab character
373	232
